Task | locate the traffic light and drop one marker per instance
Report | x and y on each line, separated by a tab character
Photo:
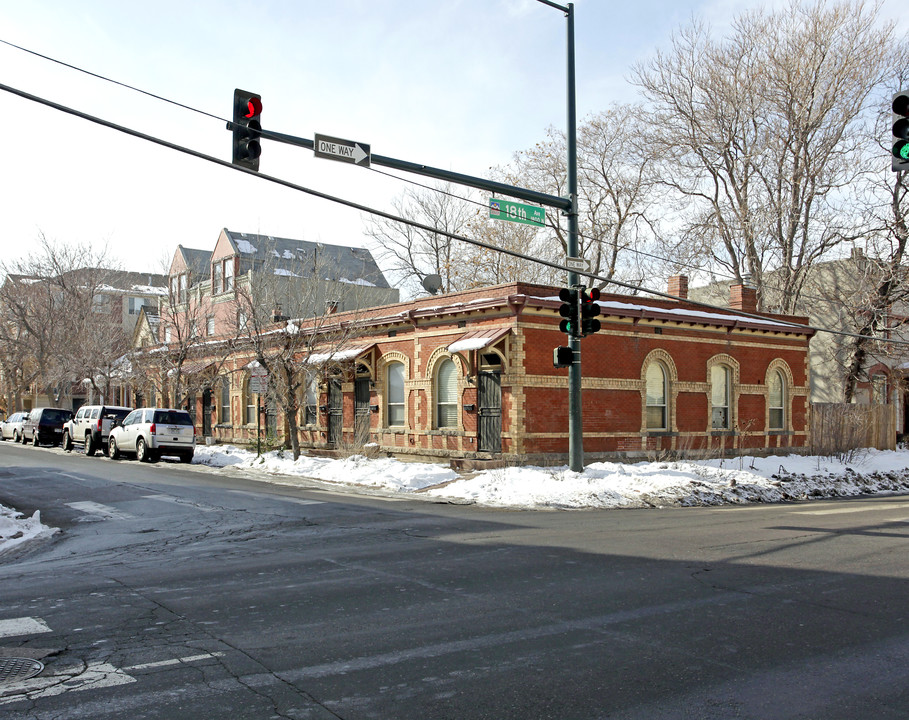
900	159
569	311
247	129
589	310
562	357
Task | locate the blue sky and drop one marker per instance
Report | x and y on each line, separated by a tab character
459	85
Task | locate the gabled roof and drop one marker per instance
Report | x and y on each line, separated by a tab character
299	257
197	261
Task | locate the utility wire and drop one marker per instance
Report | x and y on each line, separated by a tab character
265	133
396	218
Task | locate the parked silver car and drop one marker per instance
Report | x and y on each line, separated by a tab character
11	428
149	433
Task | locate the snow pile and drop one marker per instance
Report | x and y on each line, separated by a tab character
385	473
16	529
601	485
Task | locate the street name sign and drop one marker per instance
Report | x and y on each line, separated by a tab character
347	151
516	212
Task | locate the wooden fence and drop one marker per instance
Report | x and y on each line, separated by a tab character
838	427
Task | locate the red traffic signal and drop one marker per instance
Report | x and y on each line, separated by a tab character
247	129
589	310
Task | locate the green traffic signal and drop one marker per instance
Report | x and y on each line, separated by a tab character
569	310
900	119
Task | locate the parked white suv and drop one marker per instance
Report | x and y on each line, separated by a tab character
150	433
91	425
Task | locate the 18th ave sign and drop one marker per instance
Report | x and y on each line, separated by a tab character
348	151
516	212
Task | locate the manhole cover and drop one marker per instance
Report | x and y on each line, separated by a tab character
17	669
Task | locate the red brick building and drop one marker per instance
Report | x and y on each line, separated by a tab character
470	376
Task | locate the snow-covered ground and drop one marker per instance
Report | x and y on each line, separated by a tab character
601	485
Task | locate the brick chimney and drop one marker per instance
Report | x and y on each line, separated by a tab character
678	286
743	297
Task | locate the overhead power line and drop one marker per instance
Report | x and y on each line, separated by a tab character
411	181
397	218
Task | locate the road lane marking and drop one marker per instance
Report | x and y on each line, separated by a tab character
175	661
864	507
22	626
265	496
105	511
94	676
189	504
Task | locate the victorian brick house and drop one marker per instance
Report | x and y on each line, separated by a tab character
470	375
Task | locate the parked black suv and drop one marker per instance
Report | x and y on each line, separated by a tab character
45	425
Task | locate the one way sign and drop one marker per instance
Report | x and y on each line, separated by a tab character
342	150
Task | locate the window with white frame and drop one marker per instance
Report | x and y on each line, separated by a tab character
656	394
224	405
446	392
216	277
251	406
311	399
228	274
394	388
136	304
776	400
720	392
210	326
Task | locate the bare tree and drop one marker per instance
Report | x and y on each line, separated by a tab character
761	133
412	253
286	316
616	187
61	319
177	360
882	312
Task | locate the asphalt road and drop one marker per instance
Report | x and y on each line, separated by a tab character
175	592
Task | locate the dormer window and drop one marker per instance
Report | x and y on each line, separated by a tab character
216	277
179	285
222	276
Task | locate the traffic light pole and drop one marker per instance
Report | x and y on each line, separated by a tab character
575	427
568	206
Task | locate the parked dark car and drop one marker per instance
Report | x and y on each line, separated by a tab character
44	425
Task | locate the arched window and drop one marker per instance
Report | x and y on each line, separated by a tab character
720	393
776	400
446	392
311	399
394	391
224	406
657	393
879	389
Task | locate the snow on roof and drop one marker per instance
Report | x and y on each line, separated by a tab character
694	313
244	246
149	289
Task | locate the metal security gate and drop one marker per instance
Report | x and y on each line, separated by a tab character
361	410
206	413
489	399
335	413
